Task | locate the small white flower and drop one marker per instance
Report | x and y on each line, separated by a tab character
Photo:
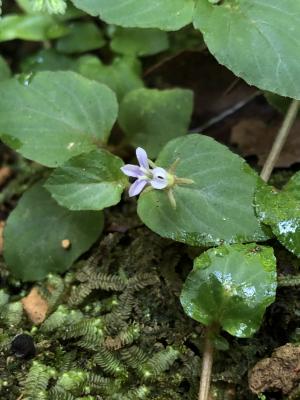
156	177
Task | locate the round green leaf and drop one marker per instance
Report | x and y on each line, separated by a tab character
151	117
83	36
231	286
139	42
217	208
256	39
162	14
35	230
90	181
281	211
34	27
54	116
122	76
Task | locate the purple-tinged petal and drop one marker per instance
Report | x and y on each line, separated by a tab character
142	157
132	170
137	187
160	178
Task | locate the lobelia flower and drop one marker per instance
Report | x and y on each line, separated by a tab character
156	177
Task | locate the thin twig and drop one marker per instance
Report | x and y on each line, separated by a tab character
280	140
207	364
226	113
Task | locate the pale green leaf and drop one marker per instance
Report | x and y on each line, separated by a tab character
90	181
162	14
151	117
217	208
54	116
35	230
231	286
33	27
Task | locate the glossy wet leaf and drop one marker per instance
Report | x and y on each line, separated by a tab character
82	36
162	14
217	208
231	286
151	117
35	230
122	75
281	211
90	181
139	42
256	39
4	69
33	27
53	116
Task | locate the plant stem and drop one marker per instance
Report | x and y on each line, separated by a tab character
207	364
280	140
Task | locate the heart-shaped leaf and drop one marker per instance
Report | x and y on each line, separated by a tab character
40	237
256	39
231	286
162	14
281	211
90	181
217	208
151	117
54	116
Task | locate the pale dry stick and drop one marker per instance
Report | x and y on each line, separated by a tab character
278	144
280	140
207	364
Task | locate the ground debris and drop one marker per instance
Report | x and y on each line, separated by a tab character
35	306
254	138
280	372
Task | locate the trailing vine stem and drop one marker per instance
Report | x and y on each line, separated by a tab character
207	363
280	140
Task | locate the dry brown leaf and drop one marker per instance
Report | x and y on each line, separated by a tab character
2	224
255	138
5	173
35	306
279	372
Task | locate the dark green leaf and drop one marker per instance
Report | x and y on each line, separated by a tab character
139	42
257	39
47	60
83	36
4	69
35	230
122	76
